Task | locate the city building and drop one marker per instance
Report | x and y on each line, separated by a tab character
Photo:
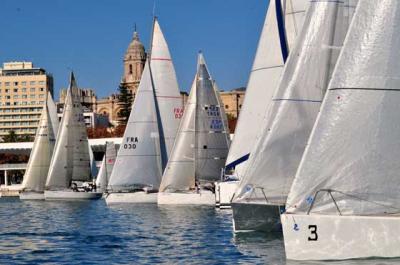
23	90
233	101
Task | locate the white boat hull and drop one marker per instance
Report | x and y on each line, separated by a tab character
224	192
31	195
131	197
261	217
189	198
69	195
327	237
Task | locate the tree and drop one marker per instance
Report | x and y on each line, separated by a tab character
11	137
125	100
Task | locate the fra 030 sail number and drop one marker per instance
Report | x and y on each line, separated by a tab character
131	142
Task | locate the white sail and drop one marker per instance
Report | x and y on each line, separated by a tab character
202	142
70	160
179	173
279	33
42	150
350	165
295	105
107	166
212	139
138	162
52	110
168	99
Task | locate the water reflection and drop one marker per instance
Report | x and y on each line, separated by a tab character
92	233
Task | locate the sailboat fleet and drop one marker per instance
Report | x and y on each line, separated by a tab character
314	150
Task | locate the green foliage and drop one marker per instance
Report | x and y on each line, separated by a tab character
12	137
125	100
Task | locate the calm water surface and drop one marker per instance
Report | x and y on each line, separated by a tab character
92	233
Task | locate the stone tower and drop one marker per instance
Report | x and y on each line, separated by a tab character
134	61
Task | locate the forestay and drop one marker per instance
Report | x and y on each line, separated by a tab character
295	105
283	21
138	162
168	99
350	166
42	150
70	160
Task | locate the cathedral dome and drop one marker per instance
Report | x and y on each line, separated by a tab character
135	49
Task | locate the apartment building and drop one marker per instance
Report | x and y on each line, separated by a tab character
23	90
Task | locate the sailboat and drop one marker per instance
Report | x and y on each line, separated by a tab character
151	129
282	25
271	168
106	167
42	150
344	201
70	164
200	148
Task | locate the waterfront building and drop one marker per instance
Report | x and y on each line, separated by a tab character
23	90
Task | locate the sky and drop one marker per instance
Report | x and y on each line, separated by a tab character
91	37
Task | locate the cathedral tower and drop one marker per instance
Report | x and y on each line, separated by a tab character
134	61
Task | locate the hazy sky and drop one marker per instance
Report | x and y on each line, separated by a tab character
91	37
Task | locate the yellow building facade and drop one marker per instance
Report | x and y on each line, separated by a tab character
23	90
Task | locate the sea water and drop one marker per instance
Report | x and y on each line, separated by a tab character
89	232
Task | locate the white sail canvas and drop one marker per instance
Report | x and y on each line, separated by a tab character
70	160
295	105
138	163
168	99
42	150
282	24
107	166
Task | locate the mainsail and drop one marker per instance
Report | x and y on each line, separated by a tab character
350	166
138	162
168	99
282	24
107	166
152	124
42	150
70	160
202	141
296	103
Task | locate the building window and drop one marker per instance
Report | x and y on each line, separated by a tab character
7	83
15	83
226	106
15	89
8	97
41	96
42	89
32	83
23	83
130	69
32	89
7	90
24	96
32	96
15	96
41	82
24	89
